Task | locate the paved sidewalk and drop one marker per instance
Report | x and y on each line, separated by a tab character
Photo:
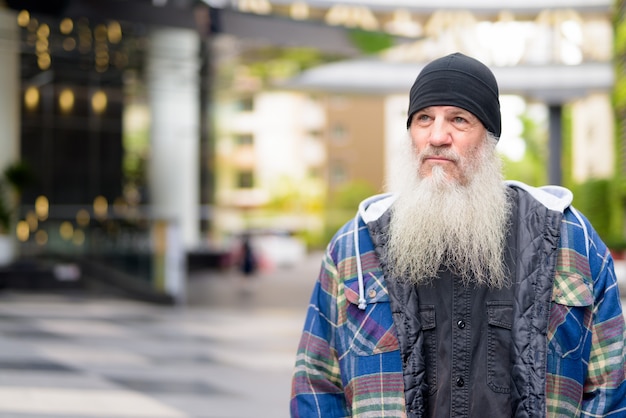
74	357
228	353
285	287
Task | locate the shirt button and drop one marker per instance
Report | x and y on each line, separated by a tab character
372	293
461	324
460	382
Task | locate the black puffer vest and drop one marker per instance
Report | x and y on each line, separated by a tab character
532	261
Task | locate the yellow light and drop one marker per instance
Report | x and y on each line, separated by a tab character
114	32
401	23
299	10
44	61
82	217
262	7
66	26
66	230
102	59
351	16
41	237
69	44
43	31
31	98
41	45
41	207
23	18
79	237
100	206
101	48
66	100
99	101
31	219
100	33
22	231
337	14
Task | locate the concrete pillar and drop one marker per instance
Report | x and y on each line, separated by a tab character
555	171
10	88
9	110
174	100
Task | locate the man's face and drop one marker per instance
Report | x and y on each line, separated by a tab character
447	137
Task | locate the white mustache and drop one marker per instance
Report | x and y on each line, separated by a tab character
431	152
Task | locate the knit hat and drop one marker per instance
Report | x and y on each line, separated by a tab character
461	81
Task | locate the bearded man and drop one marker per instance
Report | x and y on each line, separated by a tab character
462	294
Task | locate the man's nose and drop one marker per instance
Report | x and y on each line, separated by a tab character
440	133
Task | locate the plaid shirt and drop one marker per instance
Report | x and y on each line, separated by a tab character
349	367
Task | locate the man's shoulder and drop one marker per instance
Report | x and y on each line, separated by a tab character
556	198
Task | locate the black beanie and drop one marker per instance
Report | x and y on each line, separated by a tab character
461	81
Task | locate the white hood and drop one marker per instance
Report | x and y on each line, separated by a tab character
555	198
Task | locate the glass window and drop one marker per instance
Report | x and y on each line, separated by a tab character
245	179
244	139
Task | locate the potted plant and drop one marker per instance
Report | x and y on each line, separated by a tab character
15	178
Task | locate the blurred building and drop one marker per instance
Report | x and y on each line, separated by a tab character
141	159
280	145
354	133
268	148
108	108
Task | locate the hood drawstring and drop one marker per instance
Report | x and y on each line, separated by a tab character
359	268
369	209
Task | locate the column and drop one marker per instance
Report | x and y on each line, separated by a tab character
555	174
10	88
9	111
174	100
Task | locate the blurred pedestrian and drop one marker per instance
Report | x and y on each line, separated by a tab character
248	260
461	294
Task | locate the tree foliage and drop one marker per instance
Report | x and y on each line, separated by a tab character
14	179
531	169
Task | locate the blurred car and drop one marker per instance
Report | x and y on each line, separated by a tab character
276	248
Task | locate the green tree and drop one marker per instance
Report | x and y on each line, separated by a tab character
15	178
617	190
531	169
343	204
369	42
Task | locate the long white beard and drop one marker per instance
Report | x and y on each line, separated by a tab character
438	222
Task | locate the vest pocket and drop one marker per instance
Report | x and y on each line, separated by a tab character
500	320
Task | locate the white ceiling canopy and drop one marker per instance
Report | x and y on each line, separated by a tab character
548	83
475	5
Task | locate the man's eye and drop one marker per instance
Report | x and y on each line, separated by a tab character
459	119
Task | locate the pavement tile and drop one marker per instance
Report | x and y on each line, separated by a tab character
95	357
